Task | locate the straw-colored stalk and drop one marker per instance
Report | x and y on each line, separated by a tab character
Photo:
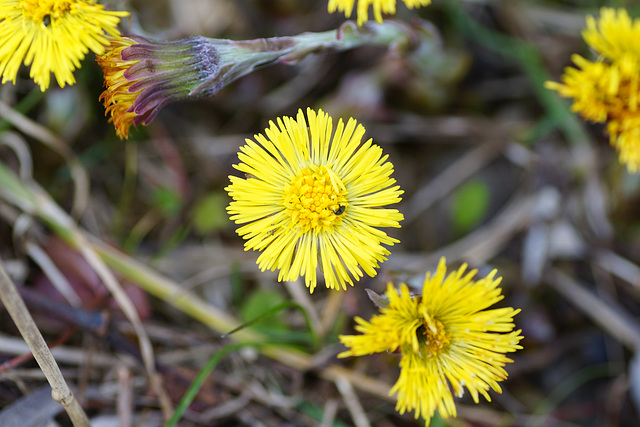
60	391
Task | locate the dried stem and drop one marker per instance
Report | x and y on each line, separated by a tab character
60	391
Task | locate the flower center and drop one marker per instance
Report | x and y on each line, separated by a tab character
315	199
433	336
44	10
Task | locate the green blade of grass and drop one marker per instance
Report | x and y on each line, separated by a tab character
204	373
274	310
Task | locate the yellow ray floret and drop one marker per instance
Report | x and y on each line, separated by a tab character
314	199
614	34
380	7
117	97
448	337
52	36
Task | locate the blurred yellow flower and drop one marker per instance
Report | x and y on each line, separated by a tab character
379	7
624	135
601	91
448	339
312	198
607	90
613	35
52	36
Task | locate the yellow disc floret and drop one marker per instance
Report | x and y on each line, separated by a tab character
44	11
436	339
315	199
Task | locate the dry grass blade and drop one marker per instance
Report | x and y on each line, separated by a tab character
619	266
42	134
68	355
353	404
329	413
611	317
130	312
19	146
58	280
29	331
125	397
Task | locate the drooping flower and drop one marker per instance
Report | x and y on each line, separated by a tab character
142	76
52	36
448	339
117	98
314	199
387	7
608	89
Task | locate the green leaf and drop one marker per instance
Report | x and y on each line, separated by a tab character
168	201
209	213
470	204
260	302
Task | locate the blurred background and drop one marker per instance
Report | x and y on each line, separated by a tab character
496	172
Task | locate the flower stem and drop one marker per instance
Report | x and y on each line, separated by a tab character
239	58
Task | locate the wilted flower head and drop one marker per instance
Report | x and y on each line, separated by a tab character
387	7
448	339
52	36
142	76
607	90
313	198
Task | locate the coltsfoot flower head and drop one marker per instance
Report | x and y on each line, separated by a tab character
387	7
142	76
52	36
313	198
608	89
448	338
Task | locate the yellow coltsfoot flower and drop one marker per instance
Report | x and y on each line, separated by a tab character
448	338
608	89
52	36
312	198
387	7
